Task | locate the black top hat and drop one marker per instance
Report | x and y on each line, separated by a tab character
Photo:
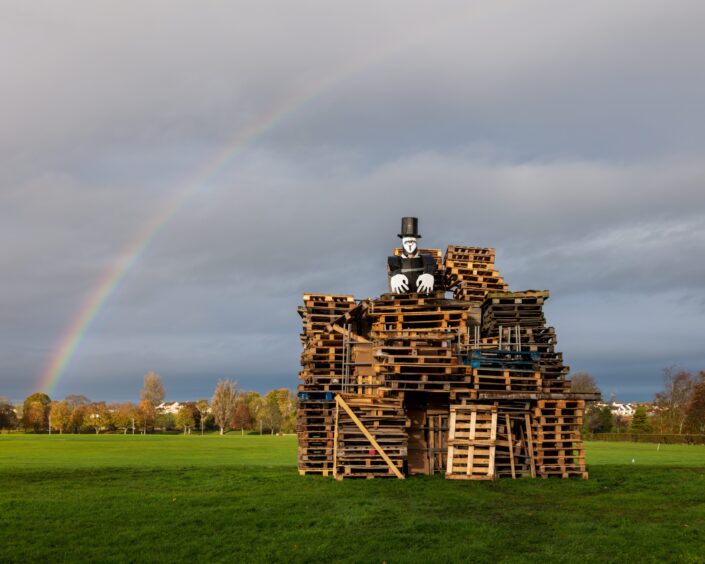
409	227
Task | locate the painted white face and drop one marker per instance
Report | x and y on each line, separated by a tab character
409	244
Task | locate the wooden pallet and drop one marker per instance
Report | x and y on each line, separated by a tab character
472	442
370	437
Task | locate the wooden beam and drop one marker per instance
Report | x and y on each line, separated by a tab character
451	438
342	403
493	448
471	447
352	336
530	444
511	446
335	444
430	451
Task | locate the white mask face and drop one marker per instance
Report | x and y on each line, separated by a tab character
409	244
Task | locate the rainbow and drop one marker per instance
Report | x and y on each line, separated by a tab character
74	332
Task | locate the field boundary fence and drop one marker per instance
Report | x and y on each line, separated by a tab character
647	438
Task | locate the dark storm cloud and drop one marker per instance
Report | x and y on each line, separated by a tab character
569	137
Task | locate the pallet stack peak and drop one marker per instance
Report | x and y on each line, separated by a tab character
469	385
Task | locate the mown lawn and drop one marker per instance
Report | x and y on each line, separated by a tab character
232	498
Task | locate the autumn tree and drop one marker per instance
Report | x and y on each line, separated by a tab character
695	409
60	416
35	412
584	383
673	399
280	410
74	400
123	416
223	402
8	417
287	405
153	389
270	413
620	423
640	421
145	416
185	419
601	420
79	416
254	403
242	419
99	416
203	409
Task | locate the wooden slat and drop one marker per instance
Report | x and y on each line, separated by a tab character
530	443
471	448
511	446
451	437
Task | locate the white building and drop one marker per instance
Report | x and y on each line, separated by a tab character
620	409
623	409
172	407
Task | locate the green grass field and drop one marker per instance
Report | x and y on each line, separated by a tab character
172	498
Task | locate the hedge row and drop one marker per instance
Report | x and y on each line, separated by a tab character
648	438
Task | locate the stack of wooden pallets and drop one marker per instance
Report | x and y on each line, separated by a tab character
315	418
502	312
419	364
415	343
322	367
471	274
418	384
517	321
414	315
505	371
323	349
559	447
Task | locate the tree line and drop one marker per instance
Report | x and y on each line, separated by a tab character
228	409
679	408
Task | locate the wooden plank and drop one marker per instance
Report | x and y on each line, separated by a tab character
471	447
431	443
493	448
341	402
335	442
511	447
530	444
451	436
354	337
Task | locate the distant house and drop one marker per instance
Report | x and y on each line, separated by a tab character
622	409
172	407
619	409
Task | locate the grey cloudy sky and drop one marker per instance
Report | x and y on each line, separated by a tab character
570	136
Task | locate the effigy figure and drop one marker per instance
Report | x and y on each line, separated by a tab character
411	272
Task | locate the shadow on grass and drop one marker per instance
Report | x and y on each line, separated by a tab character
272	513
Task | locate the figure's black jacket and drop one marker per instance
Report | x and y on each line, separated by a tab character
412	268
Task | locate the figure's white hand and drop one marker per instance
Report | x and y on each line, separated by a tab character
425	283
399	283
